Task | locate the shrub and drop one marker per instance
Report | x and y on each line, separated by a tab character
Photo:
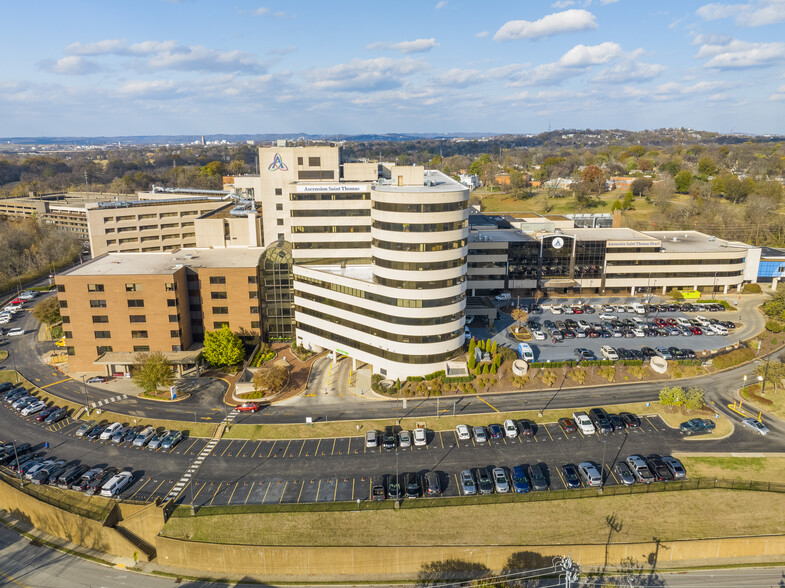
434	375
578	375
478	370
733	358
774	326
472	363
485	369
506	354
493	368
609	373
493	348
693	398
752	289
637	371
459	379
414	378
481	344
520	381
632	362
548	377
672	396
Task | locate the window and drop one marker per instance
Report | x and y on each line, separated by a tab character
138	318
170	226
253	295
167	214
98	304
101	349
141	348
100	318
220	310
68	334
218	295
70	351
133	287
110	230
279	221
251	279
278	206
63	303
126	218
134	303
314	161
279	191
280	236
327	174
254	324
138	334
254	310
111	241
299	161
126	229
174	333
171	302
66	319
175	348
60	288
150	238
173	318
95	287
220	324
217	279
103	335
146	216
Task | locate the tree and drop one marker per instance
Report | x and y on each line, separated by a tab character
693	398
683	180
48	311
520	316
151	371
223	347
214	168
672	396
706	167
271	380
593	178
640	186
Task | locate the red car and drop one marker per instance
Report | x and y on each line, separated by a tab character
248	407
567	425
696	330
577	310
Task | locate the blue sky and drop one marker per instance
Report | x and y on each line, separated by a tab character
198	67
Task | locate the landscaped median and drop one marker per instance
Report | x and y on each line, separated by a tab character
448	423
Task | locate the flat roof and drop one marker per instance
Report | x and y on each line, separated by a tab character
556	217
123	264
694	242
498	236
354	272
440	183
608	234
771	252
525	215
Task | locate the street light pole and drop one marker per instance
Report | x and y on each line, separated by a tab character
86	400
18	469
763	379
602	471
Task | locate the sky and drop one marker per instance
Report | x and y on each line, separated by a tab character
153	67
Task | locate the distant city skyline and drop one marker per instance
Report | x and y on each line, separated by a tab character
157	67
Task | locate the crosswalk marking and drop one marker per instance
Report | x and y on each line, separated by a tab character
108	400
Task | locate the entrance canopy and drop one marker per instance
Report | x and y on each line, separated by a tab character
129	357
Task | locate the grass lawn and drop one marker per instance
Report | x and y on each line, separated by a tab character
778	398
3	355
93	504
762	469
690	515
448	423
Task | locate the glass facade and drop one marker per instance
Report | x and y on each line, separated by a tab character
589	259
556	256
277	292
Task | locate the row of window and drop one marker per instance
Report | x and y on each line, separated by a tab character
169	287
414	285
420	228
134	334
332	245
419	266
332	212
398	338
298	196
225	309
388	318
435	207
331	229
418	247
389	300
618	262
645	276
148	216
374	350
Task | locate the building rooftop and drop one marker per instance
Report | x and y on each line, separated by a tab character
694	242
499	236
435	181
355	272
772	252
122	264
609	234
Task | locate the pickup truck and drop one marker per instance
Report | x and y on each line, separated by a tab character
696	426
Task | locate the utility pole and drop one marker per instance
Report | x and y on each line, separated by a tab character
18	469
86	400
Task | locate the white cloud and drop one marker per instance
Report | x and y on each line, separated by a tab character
71	65
671	90
440	5
559	4
364	75
264	11
754	13
261	11
628	71
779	94
481	34
147	89
104	47
416	46
552	24
608	1
457	78
582	55
735	54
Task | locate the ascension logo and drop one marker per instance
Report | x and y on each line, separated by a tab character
277	164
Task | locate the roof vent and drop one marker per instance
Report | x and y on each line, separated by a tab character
557	231
712	238
178	265
675	239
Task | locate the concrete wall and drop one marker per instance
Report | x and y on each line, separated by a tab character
65	525
343	563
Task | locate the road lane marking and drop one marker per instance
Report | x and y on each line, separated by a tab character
11	579
249	493
302	447
335	494
287	448
285	484
488	403
139	488
352	488
241	449
611	472
53	383
299	494
316	452
318	487
441	440
333	449
563	481
457	485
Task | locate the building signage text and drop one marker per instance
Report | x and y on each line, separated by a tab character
332	188
632	244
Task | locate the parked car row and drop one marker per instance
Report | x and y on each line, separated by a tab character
136	436
26	404
534	477
41	469
390	439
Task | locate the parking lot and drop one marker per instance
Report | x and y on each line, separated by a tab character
548	350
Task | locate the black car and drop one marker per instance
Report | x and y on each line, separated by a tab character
394	490
96	431
388	440
677	353
637	354
484	481
55	416
72	476
5	386
571	478
11	455
689	353
616	422
94	487
728	324
659	469
432	485
601	421
624	354
412	485
131	433
377	492
630	420
648	352
526	428
495	431
538	479
532	325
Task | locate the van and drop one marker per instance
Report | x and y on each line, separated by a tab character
144	436
504	296
526	352
609	353
584	422
115	485
638	308
590	474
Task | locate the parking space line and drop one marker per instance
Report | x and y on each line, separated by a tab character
227	448
299	494
191	445
180	493
488	403
271	449
241	449
249	493
316	452
287	447
140	487
441	440
318	487
233	491
216	493
197	492
257	448
352	488
333	449
611	472
579	433
652	424
457	485
285	484
156	489
349	449
265	492
558	471
335	494
301	447
547	431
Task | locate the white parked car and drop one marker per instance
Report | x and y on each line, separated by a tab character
33	407
583	423
538	335
116	484
109	431
463	432
16	331
510	429
609	353
420	438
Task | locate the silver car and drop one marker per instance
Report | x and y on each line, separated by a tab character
624	474
500	481
756	426
479	434
404	439
371	439
468	485
675	466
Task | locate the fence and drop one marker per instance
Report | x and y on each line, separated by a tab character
184	510
72	502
